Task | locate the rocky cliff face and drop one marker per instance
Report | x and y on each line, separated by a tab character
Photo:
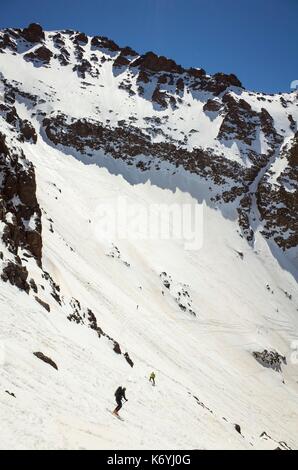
20	214
277	199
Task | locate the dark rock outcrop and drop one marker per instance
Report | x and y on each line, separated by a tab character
129	142
42	54
6	42
213	106
180	84
196	73
142	77
27	131
58	40
87	317
33	33
45	359
33	285
282	445
200	403
17	275
19	210
80	38
128	359
278	202
102	42
159	97
240	121
293	123
19	182
155	63
121	61
117	348
270	359
43	304
63	57
83	68
128	52
227	80
238	428
24	130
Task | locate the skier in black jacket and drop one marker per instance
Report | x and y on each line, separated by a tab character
119	394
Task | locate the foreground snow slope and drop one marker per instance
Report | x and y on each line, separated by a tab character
208	356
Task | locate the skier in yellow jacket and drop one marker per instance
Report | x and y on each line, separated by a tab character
152	378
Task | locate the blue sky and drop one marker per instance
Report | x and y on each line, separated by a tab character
256	39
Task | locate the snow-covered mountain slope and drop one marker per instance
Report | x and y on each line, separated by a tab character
82	122
90	94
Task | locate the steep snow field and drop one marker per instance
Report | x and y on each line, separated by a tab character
207	356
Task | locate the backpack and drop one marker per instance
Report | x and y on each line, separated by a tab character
118	392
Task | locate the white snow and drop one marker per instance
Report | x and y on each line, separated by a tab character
208	356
